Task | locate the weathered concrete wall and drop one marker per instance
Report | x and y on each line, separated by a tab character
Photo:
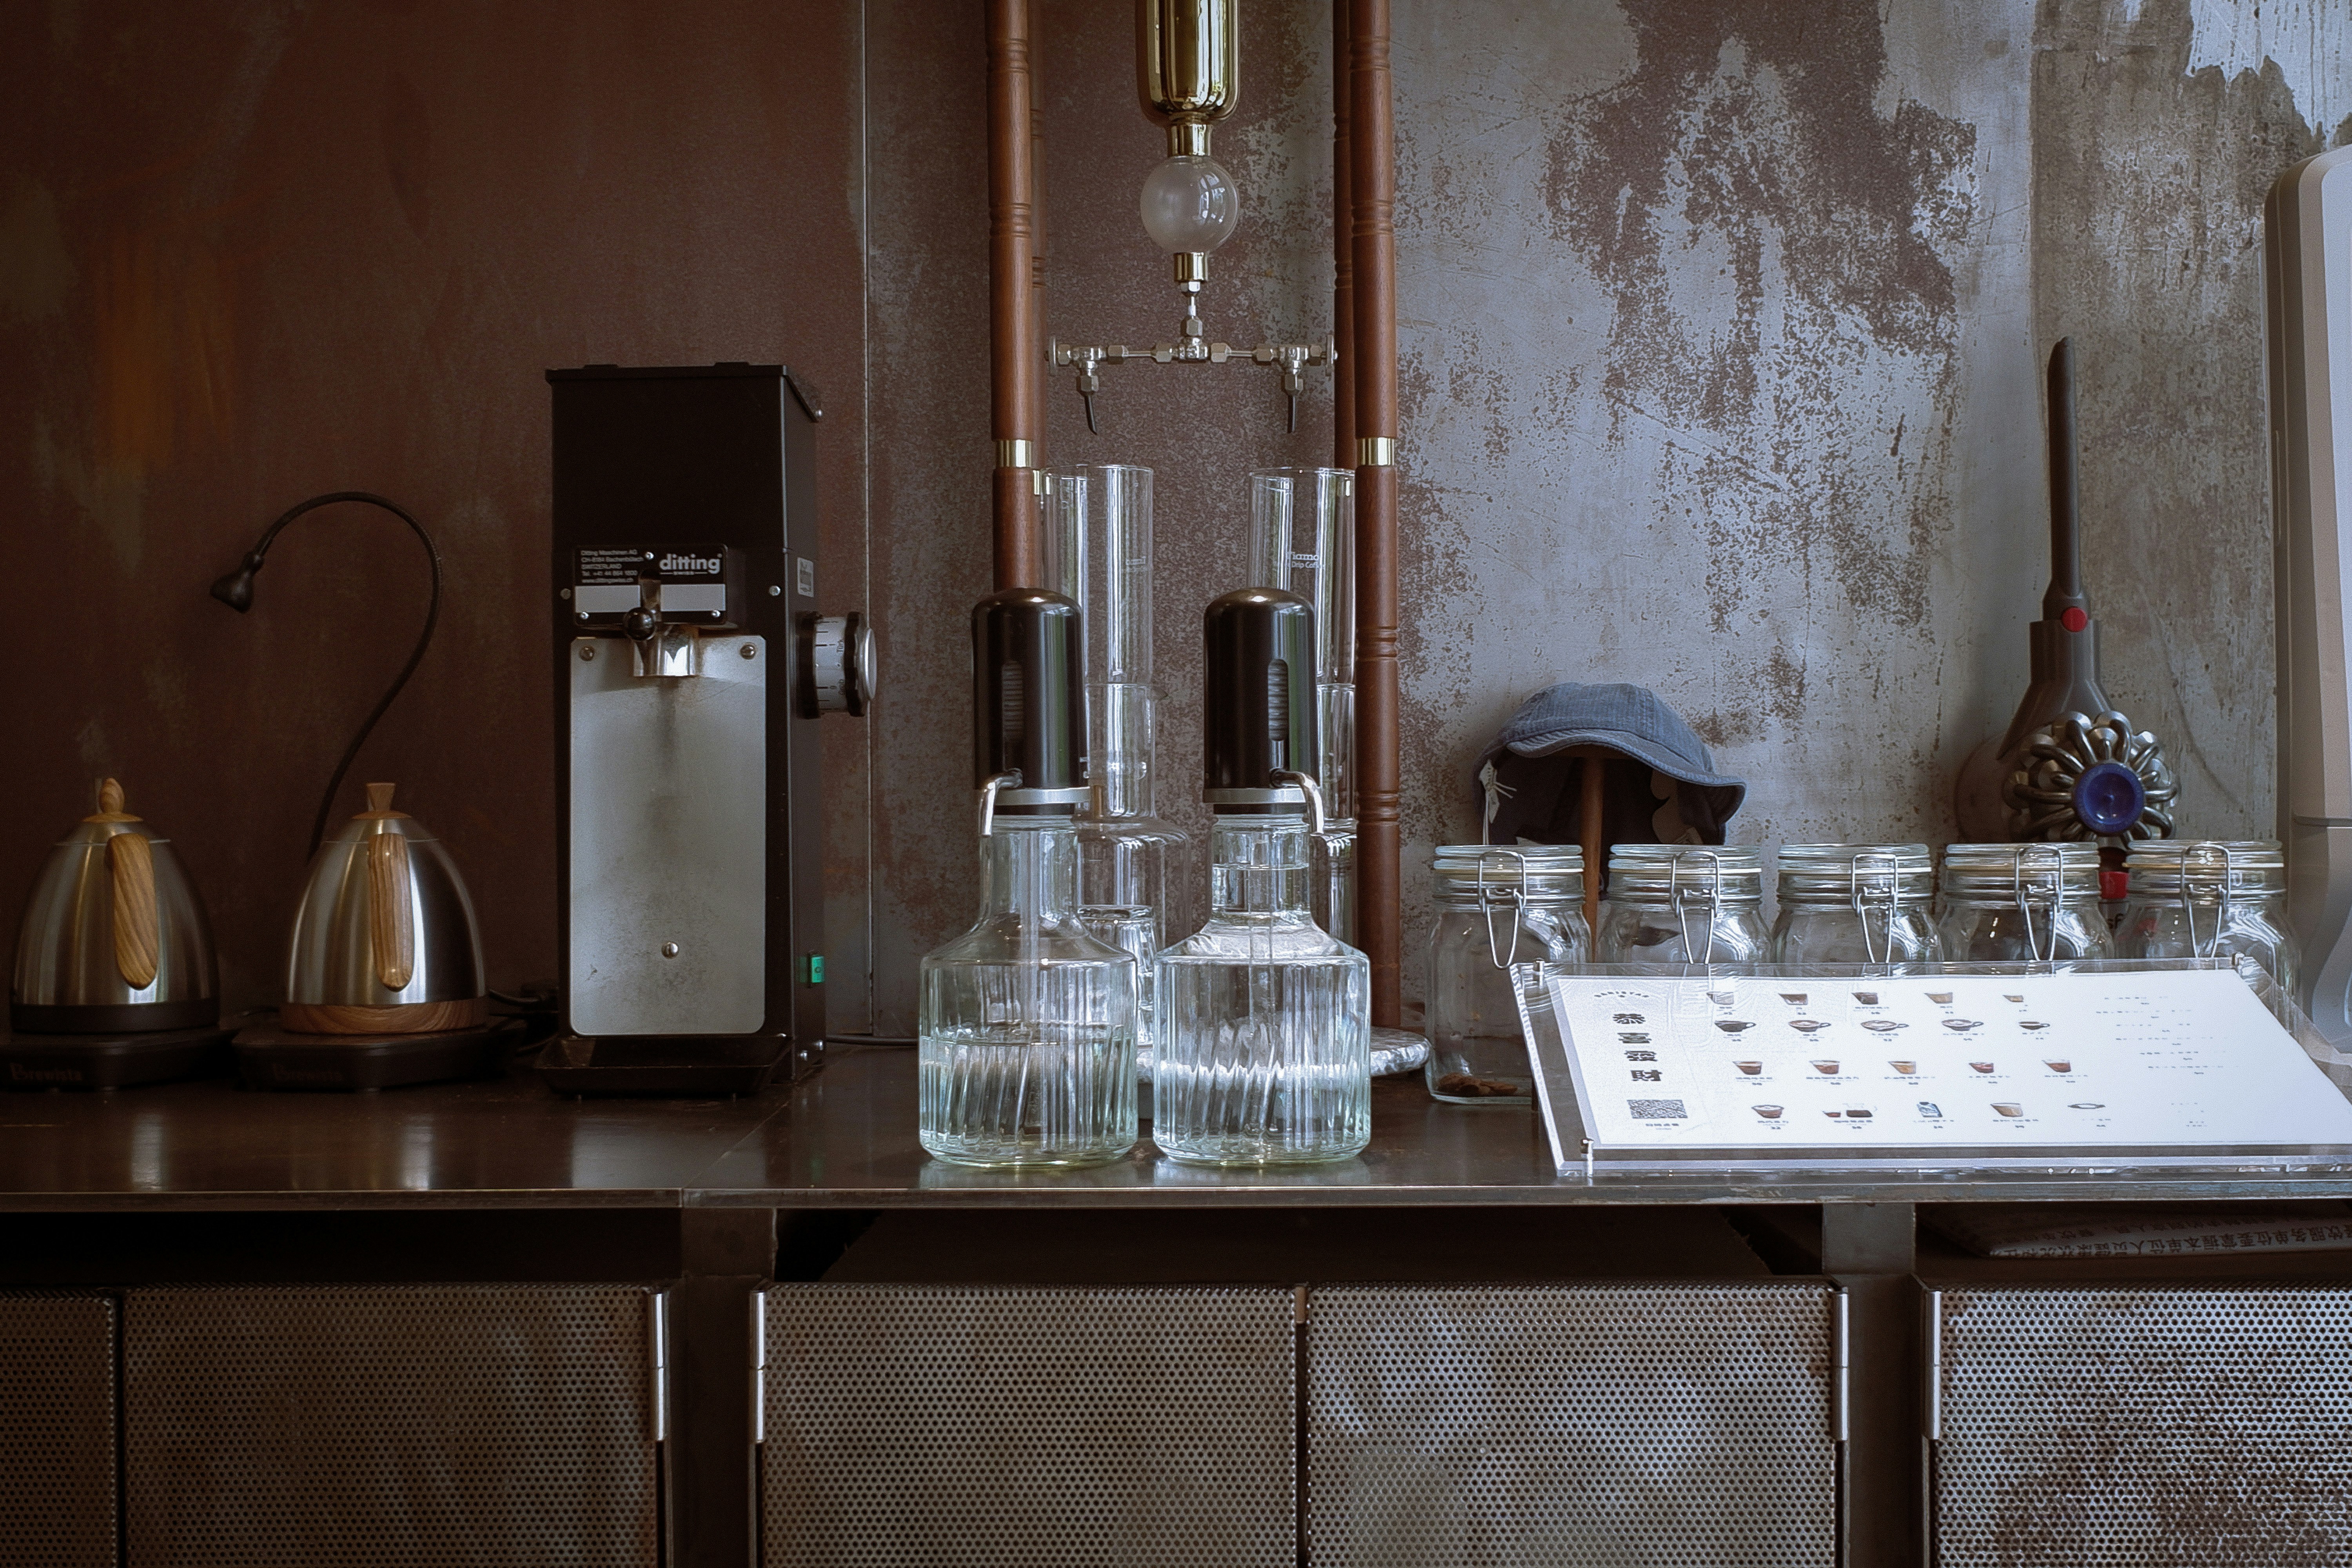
1718	356
2158	129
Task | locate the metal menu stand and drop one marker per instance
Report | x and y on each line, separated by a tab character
1937	1070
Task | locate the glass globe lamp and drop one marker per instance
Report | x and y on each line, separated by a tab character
1189	204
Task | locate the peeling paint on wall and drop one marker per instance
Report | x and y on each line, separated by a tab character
2306	41
1704	340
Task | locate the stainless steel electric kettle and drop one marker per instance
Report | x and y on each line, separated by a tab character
114	938
384	941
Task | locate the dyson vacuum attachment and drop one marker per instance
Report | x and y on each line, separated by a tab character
2071	766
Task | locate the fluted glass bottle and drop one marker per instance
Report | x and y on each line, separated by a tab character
1026	1038
1264	1050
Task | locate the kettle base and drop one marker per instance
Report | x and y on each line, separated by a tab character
121	1060
269	1055
114	1019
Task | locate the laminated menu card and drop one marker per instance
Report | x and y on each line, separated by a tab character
2148	1060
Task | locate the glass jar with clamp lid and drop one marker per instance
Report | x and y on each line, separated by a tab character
1497	905
1856	903
2006	902
1682	903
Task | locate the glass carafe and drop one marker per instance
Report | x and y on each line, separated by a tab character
1264	1050
1497	905
1680	903
1026	1033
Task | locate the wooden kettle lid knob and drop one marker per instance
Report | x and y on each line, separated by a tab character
110	804
380	804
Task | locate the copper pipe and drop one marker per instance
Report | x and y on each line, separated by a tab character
1016	349
1343	240
1372	178
1038	257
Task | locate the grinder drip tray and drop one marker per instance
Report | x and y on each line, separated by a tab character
692	1068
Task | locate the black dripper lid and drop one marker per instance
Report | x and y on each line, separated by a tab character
1259	708
1029	716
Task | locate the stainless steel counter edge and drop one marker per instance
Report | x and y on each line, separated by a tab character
846	1140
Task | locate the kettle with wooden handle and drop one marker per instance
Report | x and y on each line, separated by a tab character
392	939
384	941
114	939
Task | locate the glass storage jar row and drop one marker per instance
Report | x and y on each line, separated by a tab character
2001	902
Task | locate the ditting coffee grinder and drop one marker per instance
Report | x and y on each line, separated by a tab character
691	671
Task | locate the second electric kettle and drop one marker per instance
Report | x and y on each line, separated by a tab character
384	941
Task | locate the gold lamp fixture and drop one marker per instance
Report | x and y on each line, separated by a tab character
1188	75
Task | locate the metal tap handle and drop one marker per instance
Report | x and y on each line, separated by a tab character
1314	793
1003	781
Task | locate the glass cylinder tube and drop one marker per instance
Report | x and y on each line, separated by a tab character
1099	557
1303	539
1025	1052
1135	872
1264	1050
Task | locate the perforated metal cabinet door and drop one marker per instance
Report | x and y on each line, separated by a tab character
427	1424
2144	1428
56	1430
952	1426
1646	1425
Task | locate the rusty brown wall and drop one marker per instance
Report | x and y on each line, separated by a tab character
254	251
1721	326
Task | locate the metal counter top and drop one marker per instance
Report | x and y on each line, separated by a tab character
846	1138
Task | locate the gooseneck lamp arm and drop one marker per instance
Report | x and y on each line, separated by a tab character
234	589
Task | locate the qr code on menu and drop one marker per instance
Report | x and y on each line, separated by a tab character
1657	1109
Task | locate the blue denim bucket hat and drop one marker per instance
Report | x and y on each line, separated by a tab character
1629	719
